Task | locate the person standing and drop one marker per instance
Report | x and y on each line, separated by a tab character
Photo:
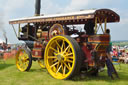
110	68
109	48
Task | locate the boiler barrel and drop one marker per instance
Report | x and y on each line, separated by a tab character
30	44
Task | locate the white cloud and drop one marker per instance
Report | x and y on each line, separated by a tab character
123	16
85	4
11	5
14	4
49	7
124	21
77	4
8	8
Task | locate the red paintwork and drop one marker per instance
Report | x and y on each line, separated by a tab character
37	52
98	43
99	38
87	54
45	35
37	45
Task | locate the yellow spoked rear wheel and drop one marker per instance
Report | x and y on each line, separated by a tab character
62	57
41	63
23	60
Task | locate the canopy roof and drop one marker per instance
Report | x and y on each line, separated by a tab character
74	17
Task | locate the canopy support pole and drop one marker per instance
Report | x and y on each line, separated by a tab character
14	30
105	24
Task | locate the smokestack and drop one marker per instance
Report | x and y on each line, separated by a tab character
37	7
6	39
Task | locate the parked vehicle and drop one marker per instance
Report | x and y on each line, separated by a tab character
49	41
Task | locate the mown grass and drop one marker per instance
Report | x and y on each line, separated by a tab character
9	75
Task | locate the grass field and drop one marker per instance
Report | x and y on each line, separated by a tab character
9	75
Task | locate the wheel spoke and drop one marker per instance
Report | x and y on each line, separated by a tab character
62	67
66	48
58	65
55	60
69	54
24	66
19	57
53	49
70	61
25	55
21	65
58	69
58	44
64	70
69	50
62	46
55	53
52	57
26	58
54	64
67	66
69	57
27	62
58	50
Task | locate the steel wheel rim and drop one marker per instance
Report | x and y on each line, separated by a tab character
60	57
22	60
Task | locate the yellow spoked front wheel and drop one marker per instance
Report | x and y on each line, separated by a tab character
62	57
23	59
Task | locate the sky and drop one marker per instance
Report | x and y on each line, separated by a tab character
13	9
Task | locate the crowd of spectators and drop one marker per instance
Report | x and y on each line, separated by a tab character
119	53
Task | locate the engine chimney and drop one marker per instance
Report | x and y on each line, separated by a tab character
37	7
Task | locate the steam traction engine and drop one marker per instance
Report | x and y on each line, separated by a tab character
60	47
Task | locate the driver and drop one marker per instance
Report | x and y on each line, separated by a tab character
89	28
